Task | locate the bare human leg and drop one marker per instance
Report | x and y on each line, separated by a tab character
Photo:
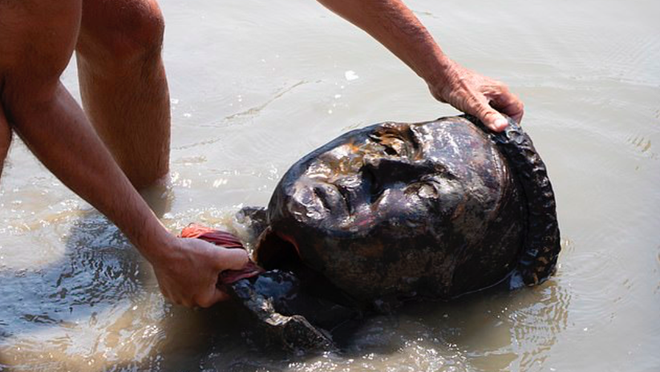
5	138
37	38
123	84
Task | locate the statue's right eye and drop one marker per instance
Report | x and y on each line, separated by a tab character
391	143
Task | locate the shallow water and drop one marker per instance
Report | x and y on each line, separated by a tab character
255	85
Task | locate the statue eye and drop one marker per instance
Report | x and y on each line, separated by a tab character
427	190
390	150
429	187
391	143
394	146
375	187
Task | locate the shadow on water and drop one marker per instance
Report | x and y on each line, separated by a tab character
51	313
96	305
99	308
493	330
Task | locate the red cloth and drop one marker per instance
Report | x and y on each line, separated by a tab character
227	240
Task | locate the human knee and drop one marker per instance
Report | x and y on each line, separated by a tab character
120	32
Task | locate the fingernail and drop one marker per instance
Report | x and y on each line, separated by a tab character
501	123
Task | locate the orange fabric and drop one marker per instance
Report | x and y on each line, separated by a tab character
210	235
227	240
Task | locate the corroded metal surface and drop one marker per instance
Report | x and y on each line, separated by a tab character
268	298
397	211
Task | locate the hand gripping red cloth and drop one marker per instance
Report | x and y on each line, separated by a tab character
226	240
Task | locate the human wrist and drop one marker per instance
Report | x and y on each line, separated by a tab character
154	241
437	72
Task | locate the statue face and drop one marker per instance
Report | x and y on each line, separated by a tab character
376	204
394	211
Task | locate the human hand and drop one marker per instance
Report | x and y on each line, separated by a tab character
477	95
188	272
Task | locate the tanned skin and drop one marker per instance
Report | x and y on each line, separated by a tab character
396	27
121	142
38	38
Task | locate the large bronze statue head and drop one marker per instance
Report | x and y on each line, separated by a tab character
395	211
399	209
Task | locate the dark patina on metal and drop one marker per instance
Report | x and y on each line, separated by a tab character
399	211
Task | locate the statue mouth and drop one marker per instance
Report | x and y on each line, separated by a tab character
275	250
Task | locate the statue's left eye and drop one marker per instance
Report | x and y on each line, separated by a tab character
428	187
390	150
427	191
392	144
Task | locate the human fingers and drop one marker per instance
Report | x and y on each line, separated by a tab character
487	115
231	259
176	298
211	298
473	97
507	103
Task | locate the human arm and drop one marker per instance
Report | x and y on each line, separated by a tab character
51	123
396	27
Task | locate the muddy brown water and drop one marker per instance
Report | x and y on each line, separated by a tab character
255	85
